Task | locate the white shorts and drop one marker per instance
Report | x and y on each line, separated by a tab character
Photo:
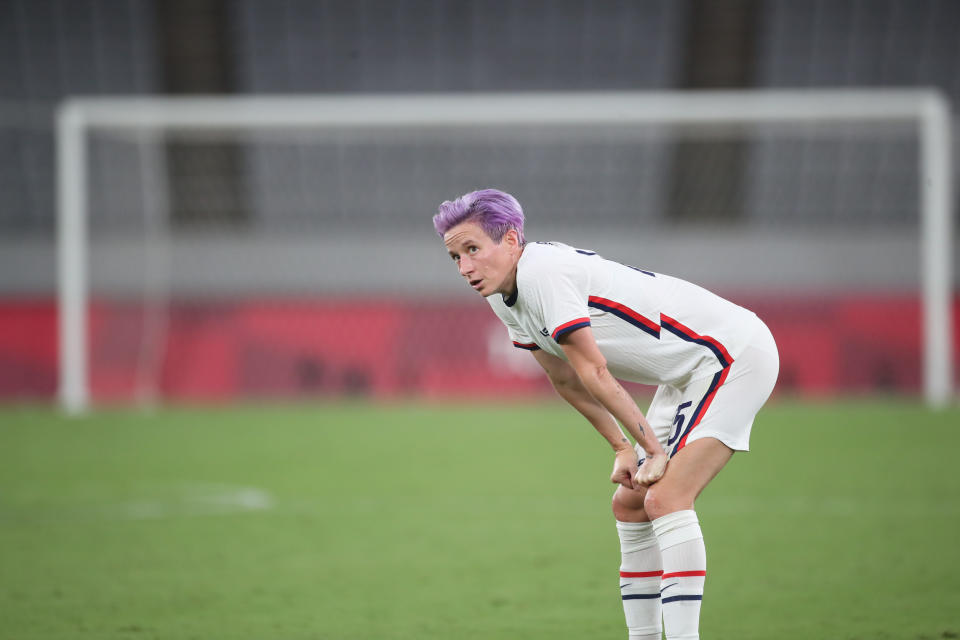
721	406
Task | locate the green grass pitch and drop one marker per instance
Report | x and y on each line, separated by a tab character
349	521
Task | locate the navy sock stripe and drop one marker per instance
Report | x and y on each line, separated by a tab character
640	596
677	598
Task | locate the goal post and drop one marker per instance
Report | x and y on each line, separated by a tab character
927	110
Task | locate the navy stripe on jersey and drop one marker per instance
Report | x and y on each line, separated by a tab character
625	313
685	333
529	346
567	327
640	596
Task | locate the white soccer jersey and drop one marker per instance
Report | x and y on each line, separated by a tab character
651	328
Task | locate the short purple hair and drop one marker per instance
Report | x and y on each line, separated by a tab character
495	211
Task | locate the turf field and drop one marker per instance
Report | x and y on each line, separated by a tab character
356	522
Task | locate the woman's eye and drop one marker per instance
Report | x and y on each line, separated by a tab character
472	250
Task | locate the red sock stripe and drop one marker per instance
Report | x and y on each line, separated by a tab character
641	574
685	574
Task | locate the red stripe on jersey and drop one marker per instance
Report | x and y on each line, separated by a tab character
647	322
568	324
685	574
696	336
641	574
529	346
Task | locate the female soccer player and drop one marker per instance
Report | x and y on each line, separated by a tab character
589	321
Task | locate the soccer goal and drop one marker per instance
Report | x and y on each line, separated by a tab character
169	199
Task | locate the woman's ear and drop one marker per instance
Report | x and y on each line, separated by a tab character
512	236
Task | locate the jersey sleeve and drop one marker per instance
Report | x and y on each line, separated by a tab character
561	287
521	340
517	335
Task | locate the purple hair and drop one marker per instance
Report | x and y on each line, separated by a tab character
495	211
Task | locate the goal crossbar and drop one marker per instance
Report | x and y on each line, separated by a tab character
928	109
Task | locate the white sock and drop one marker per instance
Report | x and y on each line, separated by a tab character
640	572
684	571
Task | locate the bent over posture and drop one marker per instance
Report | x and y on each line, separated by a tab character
589	322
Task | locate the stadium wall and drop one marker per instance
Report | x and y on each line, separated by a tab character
269	348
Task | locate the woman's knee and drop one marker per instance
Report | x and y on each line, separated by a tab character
661	500
628	505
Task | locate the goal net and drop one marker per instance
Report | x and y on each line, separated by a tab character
249	247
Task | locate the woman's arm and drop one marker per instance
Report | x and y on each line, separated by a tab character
568	385
591	368
565	380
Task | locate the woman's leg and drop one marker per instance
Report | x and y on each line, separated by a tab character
640	566
669	504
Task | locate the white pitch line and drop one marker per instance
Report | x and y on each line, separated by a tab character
199	500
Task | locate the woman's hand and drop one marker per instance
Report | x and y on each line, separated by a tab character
624	467
652	469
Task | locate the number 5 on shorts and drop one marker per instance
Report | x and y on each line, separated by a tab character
678	423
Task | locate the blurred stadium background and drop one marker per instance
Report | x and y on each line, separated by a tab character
305	266
346	475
